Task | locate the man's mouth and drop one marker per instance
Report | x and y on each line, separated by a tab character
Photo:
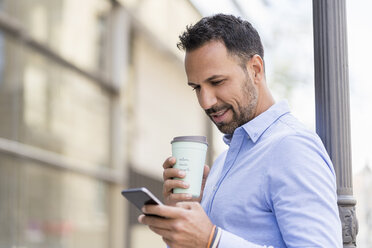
219	116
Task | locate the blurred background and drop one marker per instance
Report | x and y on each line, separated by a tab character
93	91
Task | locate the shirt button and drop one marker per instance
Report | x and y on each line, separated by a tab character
215	188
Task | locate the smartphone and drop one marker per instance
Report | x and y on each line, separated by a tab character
140	197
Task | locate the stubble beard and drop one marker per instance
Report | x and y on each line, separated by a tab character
244	113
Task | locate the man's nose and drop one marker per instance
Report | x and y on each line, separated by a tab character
207	98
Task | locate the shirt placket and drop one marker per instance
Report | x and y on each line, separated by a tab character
231	156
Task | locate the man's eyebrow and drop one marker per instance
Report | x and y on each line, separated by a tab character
207	80
213	77
192	84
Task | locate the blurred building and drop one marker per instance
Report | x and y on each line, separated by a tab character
91	93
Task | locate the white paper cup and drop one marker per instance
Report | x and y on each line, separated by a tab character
190	153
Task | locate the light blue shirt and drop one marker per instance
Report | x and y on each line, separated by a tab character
274	186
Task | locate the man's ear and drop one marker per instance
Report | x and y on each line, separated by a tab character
256	66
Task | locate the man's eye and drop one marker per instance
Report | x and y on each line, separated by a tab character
217	82
196	88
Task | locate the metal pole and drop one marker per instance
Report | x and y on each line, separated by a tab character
332	103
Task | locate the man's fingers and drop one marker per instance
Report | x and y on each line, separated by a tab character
171	184
169	162
173	172
140	218
168	241
166	233
206	171
180	197
187	205
161	210
157	222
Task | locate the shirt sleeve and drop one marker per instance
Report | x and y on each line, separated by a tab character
229	240
302	193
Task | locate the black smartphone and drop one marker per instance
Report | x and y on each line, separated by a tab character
140	197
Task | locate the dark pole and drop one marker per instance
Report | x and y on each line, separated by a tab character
332	103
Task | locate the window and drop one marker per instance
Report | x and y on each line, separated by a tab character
60	160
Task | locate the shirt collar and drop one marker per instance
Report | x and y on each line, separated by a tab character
256	127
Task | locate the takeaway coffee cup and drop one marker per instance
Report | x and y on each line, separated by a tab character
190	153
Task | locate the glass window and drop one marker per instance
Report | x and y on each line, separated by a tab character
74	29
43	207
52	107
48	104
9	88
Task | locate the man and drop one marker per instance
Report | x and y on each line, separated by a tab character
275	185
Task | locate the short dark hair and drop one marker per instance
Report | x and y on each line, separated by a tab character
239	36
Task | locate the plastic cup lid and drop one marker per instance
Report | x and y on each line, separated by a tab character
200	139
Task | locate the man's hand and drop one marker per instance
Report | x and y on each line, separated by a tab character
170	183
185	226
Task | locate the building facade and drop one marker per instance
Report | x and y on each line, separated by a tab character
91	93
